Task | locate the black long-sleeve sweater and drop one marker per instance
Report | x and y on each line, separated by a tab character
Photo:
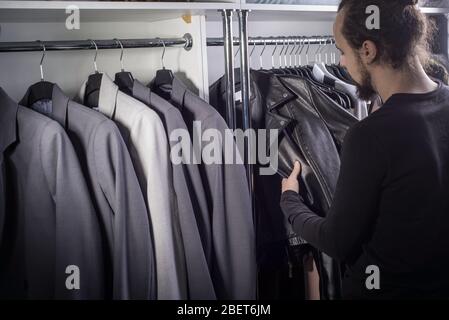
391	205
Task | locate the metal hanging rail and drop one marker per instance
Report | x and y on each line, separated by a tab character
228	46
271	41
186	41
244	79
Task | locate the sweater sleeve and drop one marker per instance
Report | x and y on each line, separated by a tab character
355	205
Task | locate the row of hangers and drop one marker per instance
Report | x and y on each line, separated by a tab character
290	63
299	45
124	79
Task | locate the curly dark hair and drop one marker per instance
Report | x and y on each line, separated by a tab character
404	30
436	69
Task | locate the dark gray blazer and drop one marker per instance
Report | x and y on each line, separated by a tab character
116	195
47	220
231	224
191	202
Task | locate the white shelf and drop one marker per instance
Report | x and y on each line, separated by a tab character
289	12
99	11
316	8
116	5
435	10
274	12
289	7
93	11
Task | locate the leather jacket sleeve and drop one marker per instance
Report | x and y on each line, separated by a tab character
354	208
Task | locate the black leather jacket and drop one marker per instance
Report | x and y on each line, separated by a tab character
311	128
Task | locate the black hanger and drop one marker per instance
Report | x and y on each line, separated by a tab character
124	79
163	76
41	90
92	93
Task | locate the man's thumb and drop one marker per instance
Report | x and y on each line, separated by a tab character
296	170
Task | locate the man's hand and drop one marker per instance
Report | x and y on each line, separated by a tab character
292	182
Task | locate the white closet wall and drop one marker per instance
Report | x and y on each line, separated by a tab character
70	68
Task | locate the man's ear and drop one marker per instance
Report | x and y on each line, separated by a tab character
368	52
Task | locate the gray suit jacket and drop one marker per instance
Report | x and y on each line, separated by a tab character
116	195
47	221
231	224
191	202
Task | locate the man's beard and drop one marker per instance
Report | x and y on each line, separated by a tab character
365	89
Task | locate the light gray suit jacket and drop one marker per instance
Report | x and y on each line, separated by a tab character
191	201
116	195
48	226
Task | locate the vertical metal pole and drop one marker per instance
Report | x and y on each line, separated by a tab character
446	51
229	68
245	83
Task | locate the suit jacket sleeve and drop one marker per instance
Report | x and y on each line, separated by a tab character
78	250
134	274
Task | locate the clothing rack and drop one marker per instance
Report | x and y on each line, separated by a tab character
271	41
186	42
243	41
